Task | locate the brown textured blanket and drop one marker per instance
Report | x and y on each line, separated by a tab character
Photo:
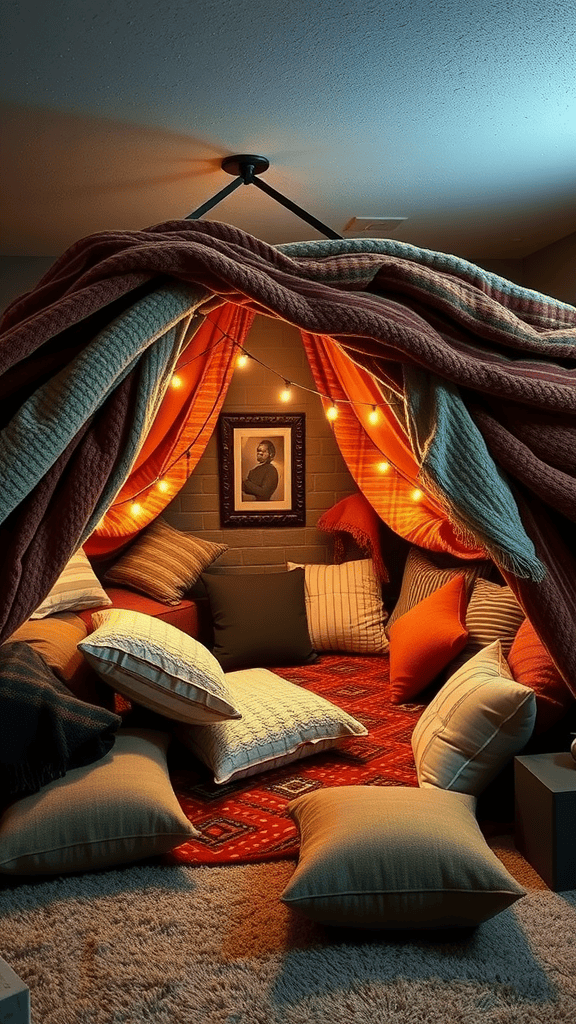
393	308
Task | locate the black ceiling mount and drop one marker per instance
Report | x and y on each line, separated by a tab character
247	167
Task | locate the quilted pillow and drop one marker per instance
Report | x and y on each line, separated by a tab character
116	811
280	723
156	665
395	857
344	607
426	571
532	666
474	725
164	563
259	619
426	638
493	613
77	587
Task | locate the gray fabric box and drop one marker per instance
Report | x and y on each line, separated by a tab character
14	997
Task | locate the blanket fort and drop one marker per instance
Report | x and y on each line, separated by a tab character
486	369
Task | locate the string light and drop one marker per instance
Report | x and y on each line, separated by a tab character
285	395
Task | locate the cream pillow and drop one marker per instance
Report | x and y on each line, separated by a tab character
280	723
493	613
474	725
395	857
117	810
76	588
344	607
163	562
157	665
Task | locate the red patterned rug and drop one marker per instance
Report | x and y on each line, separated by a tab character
246	820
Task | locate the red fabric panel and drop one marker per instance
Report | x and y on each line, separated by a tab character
365	446
180	432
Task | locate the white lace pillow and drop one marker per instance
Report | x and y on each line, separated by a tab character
474	725
344	607
76	588
157	665
280	722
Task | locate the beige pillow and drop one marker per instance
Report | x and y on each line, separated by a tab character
55	638
344	607
426	571
281	722
117	810
395	857
155	664
474	725
164	563
76	588
493	613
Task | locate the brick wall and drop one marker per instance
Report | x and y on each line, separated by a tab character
256	389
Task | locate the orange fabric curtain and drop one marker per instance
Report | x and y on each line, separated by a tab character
181	429
379	455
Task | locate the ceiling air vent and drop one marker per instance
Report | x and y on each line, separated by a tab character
373	227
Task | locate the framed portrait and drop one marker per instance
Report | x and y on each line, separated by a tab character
262	469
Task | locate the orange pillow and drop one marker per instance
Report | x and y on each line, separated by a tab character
425	639
531	665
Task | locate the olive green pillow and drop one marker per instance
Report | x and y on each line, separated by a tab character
395	857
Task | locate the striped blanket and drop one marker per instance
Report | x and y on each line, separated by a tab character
487	369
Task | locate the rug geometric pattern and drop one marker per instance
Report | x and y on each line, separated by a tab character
246	820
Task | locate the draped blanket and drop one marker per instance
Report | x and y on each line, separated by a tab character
487	370
44	730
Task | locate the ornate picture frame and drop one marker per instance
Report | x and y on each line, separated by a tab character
262	469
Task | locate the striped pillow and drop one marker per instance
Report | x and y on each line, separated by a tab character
164	563
344	607
77	587
474	725
425	572
493	613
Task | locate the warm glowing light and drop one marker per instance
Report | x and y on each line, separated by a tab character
383	467
176	381
373	415
332	412
286	393
136	508
163	485
242	360
416	495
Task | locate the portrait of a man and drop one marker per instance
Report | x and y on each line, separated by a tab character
261	481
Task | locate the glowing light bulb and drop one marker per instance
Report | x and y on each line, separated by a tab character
163	485
332	412
373	415
286	393
176	381
136	508
417	494
242	360
383	467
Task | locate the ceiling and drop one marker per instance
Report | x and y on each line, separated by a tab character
460	118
